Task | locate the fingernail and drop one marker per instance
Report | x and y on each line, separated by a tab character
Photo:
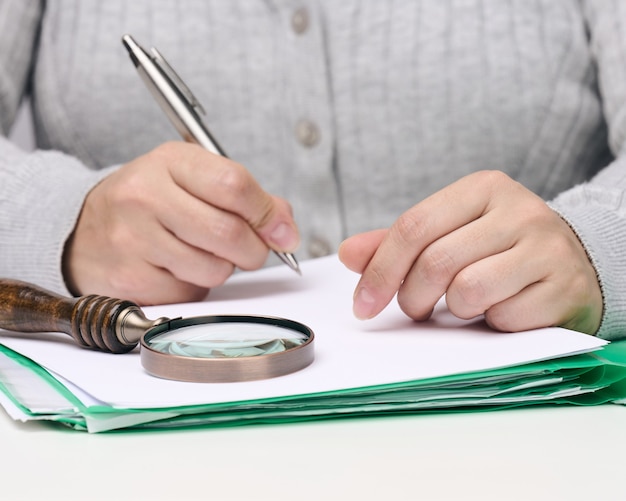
364	304
284	237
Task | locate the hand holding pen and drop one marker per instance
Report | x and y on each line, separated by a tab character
171	224
180	105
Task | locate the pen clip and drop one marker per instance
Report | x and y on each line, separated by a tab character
164	66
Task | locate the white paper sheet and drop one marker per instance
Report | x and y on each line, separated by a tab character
348	353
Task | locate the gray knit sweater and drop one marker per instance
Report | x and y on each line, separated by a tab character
352	110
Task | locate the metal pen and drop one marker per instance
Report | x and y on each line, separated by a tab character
180	106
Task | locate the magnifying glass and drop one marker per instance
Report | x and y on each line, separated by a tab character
207	349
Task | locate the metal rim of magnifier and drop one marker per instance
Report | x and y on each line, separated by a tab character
226	370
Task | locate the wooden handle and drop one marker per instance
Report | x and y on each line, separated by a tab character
90	320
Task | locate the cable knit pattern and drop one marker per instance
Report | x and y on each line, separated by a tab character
398	98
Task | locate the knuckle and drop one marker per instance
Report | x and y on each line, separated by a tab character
409	305
582	287
560	248
376	277
130	191
221	273
534	213
120	238
228	229
436	266
167	150
495	182
494	176
217	272
406	305
255	260
486	178
501	319
410	228
234	181
471	291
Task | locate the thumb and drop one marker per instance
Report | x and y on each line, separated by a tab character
276	226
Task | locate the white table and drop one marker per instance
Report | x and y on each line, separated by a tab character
531	454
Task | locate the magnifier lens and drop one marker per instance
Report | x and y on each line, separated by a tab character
227	340
226	348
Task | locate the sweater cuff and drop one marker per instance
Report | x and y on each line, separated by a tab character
47	190
603	234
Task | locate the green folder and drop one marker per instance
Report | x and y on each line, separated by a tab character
586	379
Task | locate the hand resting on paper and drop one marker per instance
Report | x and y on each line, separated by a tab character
171	224
491	246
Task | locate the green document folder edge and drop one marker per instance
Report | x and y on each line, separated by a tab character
594	378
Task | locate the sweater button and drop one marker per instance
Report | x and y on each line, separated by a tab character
318	247
300	21
308	133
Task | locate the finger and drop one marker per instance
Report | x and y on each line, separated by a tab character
439	263
212	230
145	284
356	251
436	216
544	304
161	287
141	257
494	279
223	183
570	300
531	308
185	262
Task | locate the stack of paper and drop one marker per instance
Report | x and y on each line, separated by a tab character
383	366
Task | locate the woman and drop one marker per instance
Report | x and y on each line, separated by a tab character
449	124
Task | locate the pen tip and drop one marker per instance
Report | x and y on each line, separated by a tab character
127	40
293	264
289	260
